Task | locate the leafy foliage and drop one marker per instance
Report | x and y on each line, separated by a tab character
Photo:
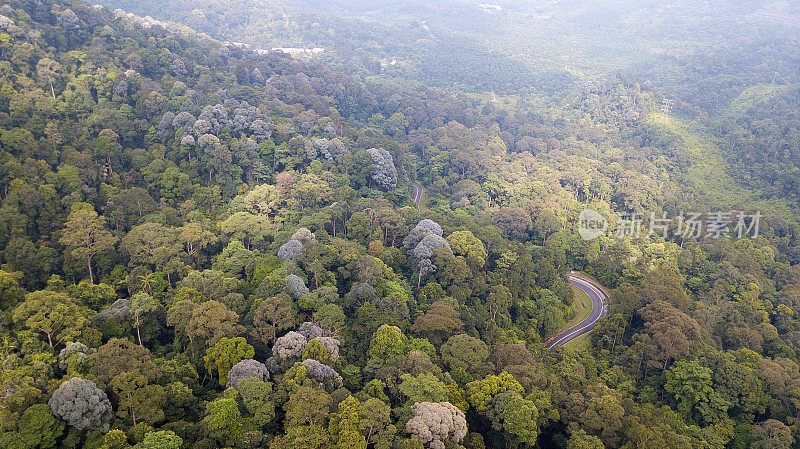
172	207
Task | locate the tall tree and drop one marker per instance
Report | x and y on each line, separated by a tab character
55	314
86	234
140	304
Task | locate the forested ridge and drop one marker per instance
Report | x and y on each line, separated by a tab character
205	246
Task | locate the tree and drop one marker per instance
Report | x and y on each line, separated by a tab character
210	322
316	350
505	355
290	250
212	284
138	400
441	320
361	293
422	229
425	386
48	71
500	399
195	238
376	423
178	317
91	295
290	346
772	434
120	356
223	420
691	386
422	242
326	376
465	352
36	428
115	439
245	369
425	267
257	398
272	316
598	409
247	227
499	300
54	314
164	439
345	426
84	231
307	407
296	286
140	304
225	354
515	222
670	330
481	393
10	291
73	354
388	342
464	243
435	422
81	404
385	174
303	437
331	317
579	439
129	207
151	243
519	418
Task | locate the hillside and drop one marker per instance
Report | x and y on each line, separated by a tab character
701	54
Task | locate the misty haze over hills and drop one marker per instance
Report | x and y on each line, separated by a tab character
692	49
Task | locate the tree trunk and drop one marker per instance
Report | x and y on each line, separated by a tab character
138	334
133	411
52	91
91	272
316	278
49	339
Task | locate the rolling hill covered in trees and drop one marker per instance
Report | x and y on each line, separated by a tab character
209	246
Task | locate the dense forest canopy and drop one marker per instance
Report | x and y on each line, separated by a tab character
208	244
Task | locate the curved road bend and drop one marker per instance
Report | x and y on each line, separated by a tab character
417	195
598	310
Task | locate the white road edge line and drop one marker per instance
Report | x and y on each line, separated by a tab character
600	295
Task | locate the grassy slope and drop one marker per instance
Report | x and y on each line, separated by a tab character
583	306
592	279
708	175
581	343
754	95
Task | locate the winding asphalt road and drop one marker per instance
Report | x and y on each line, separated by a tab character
598	298
417	195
